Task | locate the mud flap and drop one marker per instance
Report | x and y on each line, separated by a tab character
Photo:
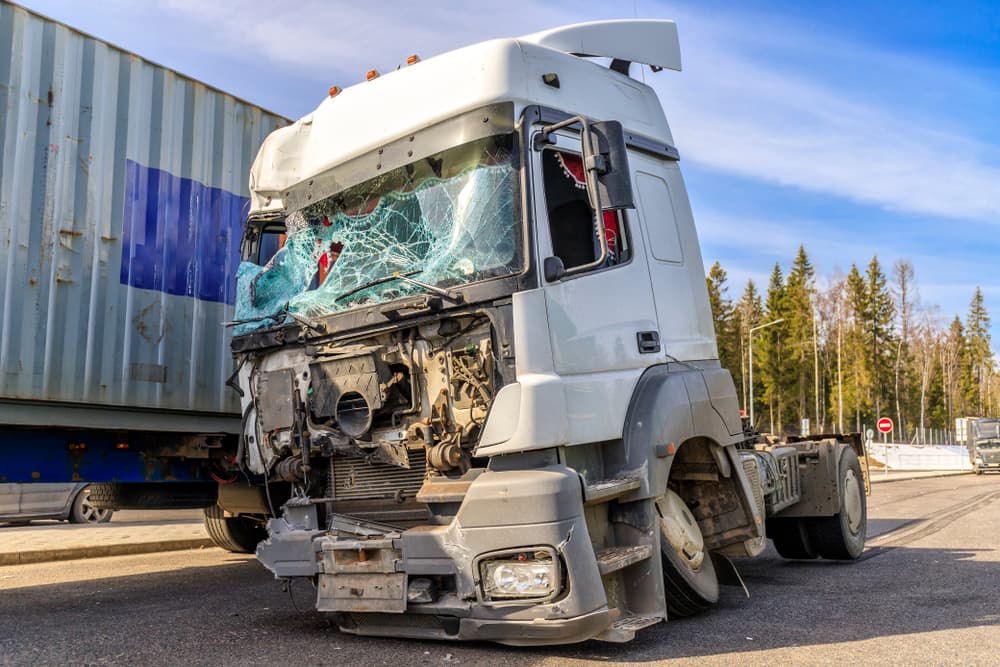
727	573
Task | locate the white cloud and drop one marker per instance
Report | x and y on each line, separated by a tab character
317	35
740	109
759	98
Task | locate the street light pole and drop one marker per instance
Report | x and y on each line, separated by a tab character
750	336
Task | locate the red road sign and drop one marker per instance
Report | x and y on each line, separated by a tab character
884	425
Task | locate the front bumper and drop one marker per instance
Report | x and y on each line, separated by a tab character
365	580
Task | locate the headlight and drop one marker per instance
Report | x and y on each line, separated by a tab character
979	461
522	575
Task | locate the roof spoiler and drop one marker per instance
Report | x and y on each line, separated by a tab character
651	42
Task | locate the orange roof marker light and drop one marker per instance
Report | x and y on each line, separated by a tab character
335	90
372	74
413	60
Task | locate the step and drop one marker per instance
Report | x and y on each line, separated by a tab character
617	558
624	629
606	489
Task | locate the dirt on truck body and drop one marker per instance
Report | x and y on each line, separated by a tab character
477	362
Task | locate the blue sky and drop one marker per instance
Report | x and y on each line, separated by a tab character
856	128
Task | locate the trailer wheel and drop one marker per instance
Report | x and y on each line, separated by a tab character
689	576
842	536
153	495
791	538
238	534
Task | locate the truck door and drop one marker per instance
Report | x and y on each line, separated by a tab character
673	256
602	323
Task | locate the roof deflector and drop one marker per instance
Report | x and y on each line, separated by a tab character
649	41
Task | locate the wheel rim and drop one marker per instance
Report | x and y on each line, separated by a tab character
680	528
90	513
852	502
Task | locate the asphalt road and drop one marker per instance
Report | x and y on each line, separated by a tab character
927	591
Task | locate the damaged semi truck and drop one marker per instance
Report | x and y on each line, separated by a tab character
475	349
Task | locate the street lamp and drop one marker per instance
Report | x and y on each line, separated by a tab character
750	336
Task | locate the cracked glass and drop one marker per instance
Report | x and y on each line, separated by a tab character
446	220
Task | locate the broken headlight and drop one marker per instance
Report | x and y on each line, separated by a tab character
520	575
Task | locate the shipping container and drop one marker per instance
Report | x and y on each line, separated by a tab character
123	190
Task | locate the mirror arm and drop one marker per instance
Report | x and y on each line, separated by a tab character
594	195
591	165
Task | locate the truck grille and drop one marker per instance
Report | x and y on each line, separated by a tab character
358	479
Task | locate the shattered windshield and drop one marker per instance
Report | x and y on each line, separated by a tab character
448	220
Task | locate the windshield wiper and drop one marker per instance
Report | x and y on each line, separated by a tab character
261	318
318	327
378	281
405	277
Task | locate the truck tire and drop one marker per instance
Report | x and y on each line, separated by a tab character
791	538
83	511
689	578
238	534
153	495
842	536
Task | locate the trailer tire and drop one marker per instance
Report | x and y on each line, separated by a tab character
690	583
792	539
842	536
153	495
238	534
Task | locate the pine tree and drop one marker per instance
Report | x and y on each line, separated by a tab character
774	364
978	365
723	317
857	392
878	334
749	313
800	335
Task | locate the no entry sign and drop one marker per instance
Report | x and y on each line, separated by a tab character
884	425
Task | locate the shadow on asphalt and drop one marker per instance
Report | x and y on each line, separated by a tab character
199	612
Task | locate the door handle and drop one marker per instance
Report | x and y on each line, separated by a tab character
649	341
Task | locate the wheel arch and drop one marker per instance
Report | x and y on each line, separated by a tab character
677	428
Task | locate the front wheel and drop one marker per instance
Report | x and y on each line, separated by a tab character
238	534
842	536
689	577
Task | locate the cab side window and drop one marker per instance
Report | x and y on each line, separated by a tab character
571	219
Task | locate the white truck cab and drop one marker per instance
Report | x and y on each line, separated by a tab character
476	356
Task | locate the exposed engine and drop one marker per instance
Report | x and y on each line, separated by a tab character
364	423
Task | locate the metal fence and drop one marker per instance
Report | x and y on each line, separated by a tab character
903	456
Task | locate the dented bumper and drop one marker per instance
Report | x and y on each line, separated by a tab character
427	581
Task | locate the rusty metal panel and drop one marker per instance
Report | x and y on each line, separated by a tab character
123	188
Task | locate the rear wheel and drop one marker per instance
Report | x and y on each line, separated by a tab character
842	536
791	538
688	573
84	512
238	534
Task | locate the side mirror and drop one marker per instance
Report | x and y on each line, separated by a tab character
607	149
553	269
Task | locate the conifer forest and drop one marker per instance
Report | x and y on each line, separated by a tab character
861	348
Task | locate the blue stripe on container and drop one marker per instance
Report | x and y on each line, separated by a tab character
180	236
